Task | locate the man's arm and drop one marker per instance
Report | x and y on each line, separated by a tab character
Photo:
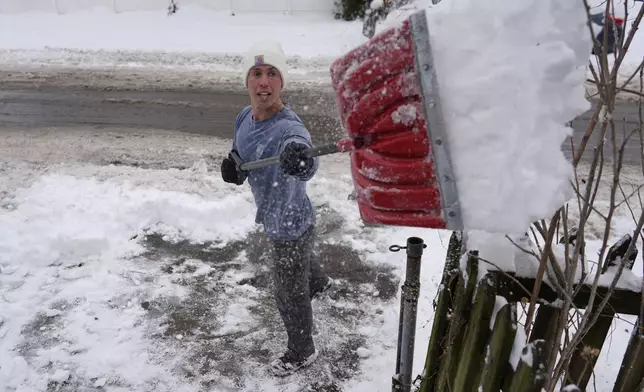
230	171
238	121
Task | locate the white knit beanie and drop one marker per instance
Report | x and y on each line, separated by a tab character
266	53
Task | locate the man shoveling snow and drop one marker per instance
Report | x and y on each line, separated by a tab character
264	129
437	141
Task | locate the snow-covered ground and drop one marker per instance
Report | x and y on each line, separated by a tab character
196	39
151	276
127	264
97	288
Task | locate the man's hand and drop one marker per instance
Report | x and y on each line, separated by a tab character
293	161
230	172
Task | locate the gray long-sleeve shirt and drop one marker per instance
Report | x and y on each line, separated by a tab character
283	206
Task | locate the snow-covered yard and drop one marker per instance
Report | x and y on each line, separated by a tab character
197	38
152	276
141	279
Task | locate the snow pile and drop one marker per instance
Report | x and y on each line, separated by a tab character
511	75
192	39
72	225
526	265
68	287
377	4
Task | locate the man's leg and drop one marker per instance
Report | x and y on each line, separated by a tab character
316	270
318	279
291	273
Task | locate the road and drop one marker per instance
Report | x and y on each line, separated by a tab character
206	111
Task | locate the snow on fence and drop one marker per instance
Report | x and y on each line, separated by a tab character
68	6
476	343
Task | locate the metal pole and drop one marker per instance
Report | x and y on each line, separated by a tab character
309	153
342	145
400	333
402	380
436	129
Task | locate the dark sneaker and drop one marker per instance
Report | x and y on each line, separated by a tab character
288	363
319	286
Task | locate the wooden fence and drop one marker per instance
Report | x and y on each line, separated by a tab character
476	343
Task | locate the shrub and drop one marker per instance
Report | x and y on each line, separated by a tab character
350	9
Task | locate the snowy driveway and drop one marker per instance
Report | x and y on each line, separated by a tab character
126	264
192	103
150	275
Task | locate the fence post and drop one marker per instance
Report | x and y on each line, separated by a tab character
409	306
460	317
529	377
500	348
588	350
631	373
545	328
477	332
442	307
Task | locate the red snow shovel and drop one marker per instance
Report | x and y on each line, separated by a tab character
388	86
388	98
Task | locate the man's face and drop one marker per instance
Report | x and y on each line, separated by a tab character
264	86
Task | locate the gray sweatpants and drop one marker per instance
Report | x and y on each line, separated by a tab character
294	268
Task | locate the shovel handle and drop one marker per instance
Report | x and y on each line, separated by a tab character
343	145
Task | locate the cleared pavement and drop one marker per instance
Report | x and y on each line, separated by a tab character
212	112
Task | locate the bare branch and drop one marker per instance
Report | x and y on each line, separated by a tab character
584	140
542	267
524	250
630	78
636	190
590	204
499	269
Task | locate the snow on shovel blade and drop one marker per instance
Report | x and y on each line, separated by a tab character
387	87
